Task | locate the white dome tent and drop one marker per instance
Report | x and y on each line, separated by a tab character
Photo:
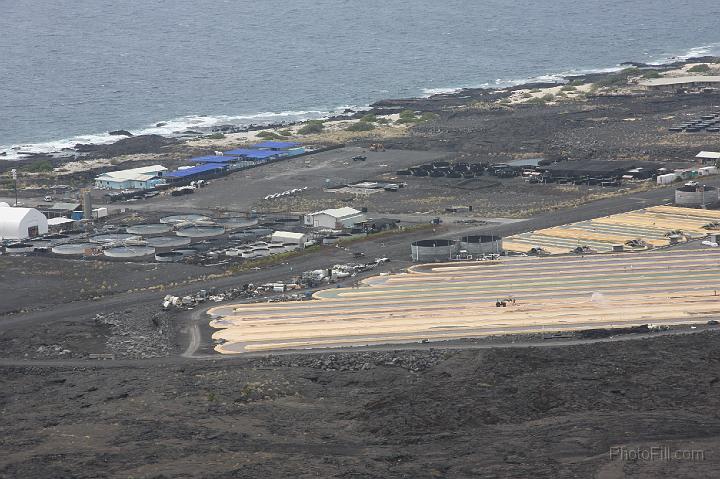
21	223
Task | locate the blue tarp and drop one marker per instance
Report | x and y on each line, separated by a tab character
255	154
214	159
195	170
277	145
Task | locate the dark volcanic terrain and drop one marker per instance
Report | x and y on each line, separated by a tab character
531	412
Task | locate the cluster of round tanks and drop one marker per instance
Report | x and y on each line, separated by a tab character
129	252
480	245
444	249
432	250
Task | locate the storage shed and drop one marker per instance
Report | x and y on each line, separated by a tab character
289	237
142	178
21	223
335	218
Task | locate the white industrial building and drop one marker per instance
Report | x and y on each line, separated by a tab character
708	156
289	237
21	223
335	218
142	178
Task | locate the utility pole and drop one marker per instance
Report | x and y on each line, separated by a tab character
14	177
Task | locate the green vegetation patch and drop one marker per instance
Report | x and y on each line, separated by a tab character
312	126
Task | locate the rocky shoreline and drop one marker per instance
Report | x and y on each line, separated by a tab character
127	144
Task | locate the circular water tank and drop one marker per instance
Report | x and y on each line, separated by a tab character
129	252
19	248
696	195
482	244
276	248
169	257
148	229
235	223
191	218
432	250
290	246
112	238
186	252
168	241
54	237
200	231
73	249
243	236
261	231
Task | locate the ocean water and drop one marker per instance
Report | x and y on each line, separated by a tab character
71	70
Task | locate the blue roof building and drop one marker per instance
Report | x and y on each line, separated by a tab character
215	159
252	154
199	171
276	145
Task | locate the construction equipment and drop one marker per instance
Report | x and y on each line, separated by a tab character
503	302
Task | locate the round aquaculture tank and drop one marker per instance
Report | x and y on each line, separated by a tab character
53	237
169	257
287	219
236	223
199	231
276	248
168	241
261	231
73	249
19	248
245	236
129	252
432	250
692	194
148	230
480	245
186	252
41	244
190	218
112	238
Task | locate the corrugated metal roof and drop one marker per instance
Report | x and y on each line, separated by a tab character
711	155
195	170
59	221
214	159
338	212
136	174
255	154
281	145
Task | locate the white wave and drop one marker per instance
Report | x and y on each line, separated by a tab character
173	127
561	77
711	49
428	92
